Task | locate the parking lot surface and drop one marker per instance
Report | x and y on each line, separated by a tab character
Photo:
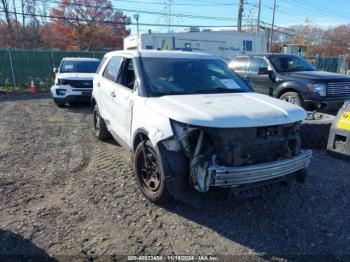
62	193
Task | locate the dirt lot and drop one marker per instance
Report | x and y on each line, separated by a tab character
62	193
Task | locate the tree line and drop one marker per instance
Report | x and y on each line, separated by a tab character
331	41
96	25
63	24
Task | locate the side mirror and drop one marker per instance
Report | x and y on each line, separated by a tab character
272	76
54	72
263	71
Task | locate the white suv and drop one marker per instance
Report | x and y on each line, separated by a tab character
192	124
73	80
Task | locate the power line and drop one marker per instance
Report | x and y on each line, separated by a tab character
300	7
146	11
177	4
323	9
112	22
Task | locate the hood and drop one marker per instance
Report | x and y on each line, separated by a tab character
76	76
227	110
316	75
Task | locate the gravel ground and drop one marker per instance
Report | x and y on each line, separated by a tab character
63	193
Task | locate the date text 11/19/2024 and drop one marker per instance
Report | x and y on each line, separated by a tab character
173	258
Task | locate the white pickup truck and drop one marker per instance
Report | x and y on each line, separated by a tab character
192	124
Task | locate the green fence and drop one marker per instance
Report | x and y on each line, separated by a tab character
330	64
20	66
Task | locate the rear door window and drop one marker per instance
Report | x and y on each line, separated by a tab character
127	74
112	70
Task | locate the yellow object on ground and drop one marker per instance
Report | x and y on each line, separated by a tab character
344	122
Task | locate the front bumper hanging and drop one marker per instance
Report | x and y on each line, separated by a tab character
234	176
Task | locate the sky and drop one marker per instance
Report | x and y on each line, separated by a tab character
324	13
223	13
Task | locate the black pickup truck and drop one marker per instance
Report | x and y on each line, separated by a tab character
291	78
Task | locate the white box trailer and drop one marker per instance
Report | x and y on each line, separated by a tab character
224	44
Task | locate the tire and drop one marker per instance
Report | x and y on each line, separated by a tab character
315	130
100	127
293	98
149	174
74	103
60	104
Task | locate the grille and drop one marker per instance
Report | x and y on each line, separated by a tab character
80	83
338	88
256	154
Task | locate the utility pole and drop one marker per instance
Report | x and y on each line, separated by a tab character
258	19
170	15
273	24
240	15
137	17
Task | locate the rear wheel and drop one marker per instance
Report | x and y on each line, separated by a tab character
149	174
100	127
293	98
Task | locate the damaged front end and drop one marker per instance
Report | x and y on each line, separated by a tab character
237	156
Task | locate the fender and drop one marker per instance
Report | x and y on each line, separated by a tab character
176	167
154	125
289	85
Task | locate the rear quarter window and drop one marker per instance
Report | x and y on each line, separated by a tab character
101	65
239	64
257	62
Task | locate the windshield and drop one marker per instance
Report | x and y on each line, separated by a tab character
290	64
173	76
79	66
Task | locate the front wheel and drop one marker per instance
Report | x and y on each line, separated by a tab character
293	98
149	174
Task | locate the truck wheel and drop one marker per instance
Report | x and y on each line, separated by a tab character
100	127
60	104
149	174
315	130
293	98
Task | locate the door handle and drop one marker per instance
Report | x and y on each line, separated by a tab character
98	84
113	94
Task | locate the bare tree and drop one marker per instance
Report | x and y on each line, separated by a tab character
6	10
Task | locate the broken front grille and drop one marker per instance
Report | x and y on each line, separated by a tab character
249	146
256	154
